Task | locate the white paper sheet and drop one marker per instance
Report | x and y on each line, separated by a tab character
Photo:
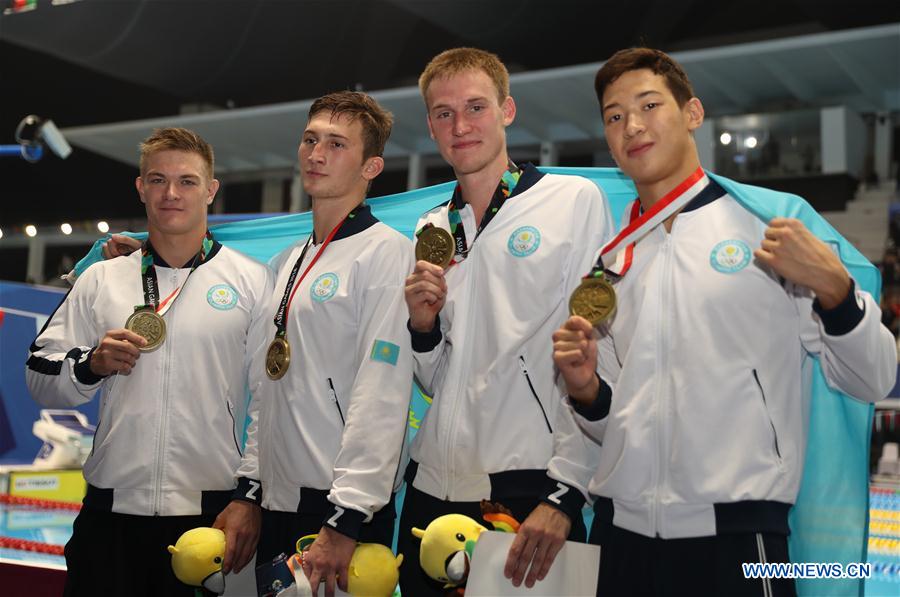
574	572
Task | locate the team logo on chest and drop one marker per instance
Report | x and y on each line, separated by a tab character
324	287
730	256
222	297
524	241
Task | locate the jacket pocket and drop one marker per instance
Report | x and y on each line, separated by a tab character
334	398
533	393
237	444
765	406
100	419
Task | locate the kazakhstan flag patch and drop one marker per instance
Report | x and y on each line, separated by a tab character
385	352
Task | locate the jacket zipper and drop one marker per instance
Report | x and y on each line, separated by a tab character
769	416
160	441
164	414
533	393
234	428
334	399
448	450
662	351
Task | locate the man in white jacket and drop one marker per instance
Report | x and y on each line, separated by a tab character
171	372
330	413
522	240
698	400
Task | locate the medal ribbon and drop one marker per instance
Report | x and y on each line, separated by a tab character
638	227
623	259
282	308
150	282
290	288
505	188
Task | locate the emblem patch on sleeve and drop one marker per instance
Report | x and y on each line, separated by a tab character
385	352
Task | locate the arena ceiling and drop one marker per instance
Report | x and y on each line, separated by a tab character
859	68
93	62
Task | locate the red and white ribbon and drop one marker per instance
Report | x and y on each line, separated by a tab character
638	227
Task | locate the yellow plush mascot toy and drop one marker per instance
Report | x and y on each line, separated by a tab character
197	559
448	542
373	571
447	545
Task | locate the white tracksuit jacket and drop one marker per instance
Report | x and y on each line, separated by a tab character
169	433
707	425
336	422
489	368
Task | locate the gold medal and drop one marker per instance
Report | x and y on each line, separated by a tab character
149	325
594	299
278	358
435	245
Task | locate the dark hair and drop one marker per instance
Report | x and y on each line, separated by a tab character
376	121
656	61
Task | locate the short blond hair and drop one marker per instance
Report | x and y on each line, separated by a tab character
452	62
178	139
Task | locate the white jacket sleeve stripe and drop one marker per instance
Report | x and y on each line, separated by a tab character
58	370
